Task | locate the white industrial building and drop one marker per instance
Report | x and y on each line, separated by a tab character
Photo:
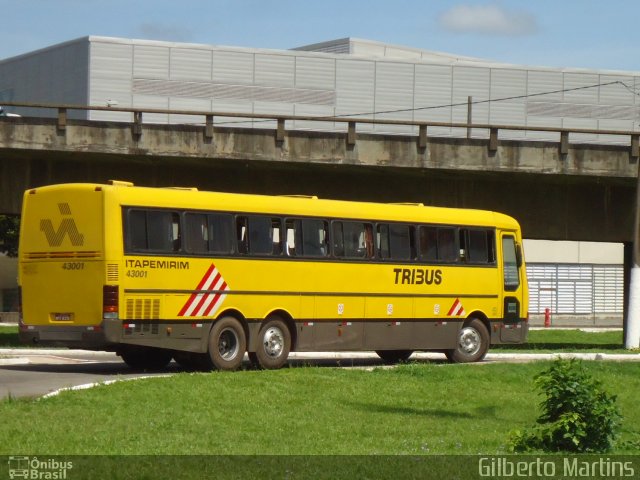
352	77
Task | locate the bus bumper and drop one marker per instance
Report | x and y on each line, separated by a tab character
91	337
509	332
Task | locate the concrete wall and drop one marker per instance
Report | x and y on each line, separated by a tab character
547	251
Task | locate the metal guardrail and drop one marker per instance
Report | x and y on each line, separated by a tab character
351	121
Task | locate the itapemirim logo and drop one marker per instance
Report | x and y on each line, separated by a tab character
67	226
35	468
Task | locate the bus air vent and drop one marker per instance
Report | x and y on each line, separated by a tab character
112	272
143	308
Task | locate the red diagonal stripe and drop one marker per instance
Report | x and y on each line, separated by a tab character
453	307
199	287
206	295
216	299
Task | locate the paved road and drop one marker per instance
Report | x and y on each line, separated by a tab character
33	373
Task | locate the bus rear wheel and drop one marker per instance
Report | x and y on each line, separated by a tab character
227	344
146	357
472	343
392	357
275	344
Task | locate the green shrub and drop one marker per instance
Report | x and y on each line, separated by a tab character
577	414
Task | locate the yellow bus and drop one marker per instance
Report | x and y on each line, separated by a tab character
205	277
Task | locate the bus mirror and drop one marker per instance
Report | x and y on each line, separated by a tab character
518	255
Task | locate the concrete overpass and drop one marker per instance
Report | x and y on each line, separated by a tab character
557	190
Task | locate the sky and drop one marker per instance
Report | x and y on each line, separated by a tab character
594	34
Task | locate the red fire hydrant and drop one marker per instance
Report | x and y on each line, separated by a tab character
547	317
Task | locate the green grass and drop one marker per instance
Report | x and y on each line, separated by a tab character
9	337
416	409
552	340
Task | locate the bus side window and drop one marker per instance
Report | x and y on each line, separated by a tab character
510	264
447	245
400	242
429	244
197	233
479	245
242	229
314	237
137	230
382	241
337	231
154	230
262	233
358	240
220	233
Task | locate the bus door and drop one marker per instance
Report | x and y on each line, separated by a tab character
512	265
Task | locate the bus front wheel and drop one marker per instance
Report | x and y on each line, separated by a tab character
227	344
472	343
275	344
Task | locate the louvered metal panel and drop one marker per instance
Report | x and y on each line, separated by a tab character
271	107
315	73
616	94
314	111
433	88
232	67
232	106
574	85
608	289
474	82
581	123
151	62
394	91
575	289
607	124
152	101
355	88
274	70
196	104
111	66
508	83
190	64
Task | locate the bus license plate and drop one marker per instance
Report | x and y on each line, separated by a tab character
62	317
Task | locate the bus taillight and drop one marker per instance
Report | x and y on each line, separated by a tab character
110	301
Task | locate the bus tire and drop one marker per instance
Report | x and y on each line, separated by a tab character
472	343
391	357
227	344
146	358
274	345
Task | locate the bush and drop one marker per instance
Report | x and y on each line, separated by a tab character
577	414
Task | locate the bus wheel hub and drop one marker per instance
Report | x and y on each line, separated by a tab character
273	341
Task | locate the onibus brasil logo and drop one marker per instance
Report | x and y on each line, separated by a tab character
40	469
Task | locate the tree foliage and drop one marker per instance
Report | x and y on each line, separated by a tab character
9	230
577	414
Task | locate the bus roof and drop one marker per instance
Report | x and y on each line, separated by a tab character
125	193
